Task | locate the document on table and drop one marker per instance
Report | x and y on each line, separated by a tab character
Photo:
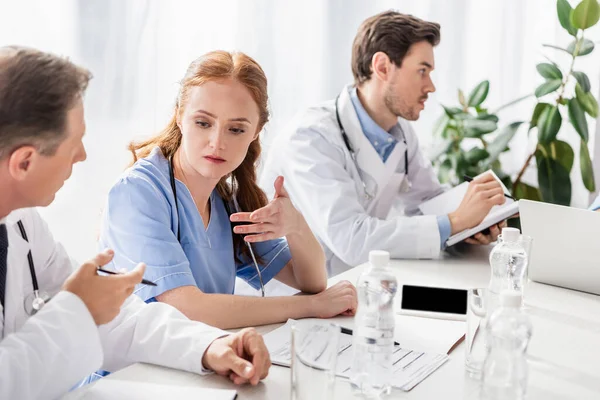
130	390
410	367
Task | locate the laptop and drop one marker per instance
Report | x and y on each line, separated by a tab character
566	245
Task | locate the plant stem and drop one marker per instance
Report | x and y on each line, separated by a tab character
562	92
520	175
484	143
574	56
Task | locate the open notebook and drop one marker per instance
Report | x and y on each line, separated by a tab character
449	201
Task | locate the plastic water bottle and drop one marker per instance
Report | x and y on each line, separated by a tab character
505	367
509	262
373	338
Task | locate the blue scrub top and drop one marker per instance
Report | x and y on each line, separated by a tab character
140	225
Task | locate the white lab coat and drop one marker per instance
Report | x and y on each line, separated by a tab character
325	185
43	356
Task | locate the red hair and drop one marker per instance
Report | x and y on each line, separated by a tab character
218	65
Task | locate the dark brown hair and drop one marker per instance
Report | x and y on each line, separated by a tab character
214	66
391	33
37	90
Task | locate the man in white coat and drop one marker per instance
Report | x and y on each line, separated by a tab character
89	321
348	162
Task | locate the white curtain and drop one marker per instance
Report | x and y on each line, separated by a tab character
138	50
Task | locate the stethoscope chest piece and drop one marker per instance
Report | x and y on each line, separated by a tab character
406	185
35	301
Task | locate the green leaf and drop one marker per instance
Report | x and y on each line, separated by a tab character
557	48
564	11
479	94
587	169
461	98
488	117
537	111
583	80
452	111
501	141
549	124
475	128
586	14
577	118
459	164
585	48
559	151
473	170
463	116
554	181
475	155
549	71
524	191
587	101
547	87
591	106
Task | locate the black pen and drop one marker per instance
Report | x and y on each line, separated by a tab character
349	332
144	281
469	179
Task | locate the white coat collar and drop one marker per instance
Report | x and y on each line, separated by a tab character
375	173
17	277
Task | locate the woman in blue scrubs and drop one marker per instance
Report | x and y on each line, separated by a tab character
180	205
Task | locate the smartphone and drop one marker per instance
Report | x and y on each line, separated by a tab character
433	302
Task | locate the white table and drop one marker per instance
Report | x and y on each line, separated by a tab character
564	351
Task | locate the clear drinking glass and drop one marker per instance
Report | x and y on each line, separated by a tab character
477	317
314	351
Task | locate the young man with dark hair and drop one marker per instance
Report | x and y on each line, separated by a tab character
60	322
348	162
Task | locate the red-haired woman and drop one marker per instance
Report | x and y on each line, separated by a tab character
178	208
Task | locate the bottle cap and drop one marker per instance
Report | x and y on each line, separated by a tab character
379	258
511	298
510	234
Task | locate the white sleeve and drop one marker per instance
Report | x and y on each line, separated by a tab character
53	350
326	194
155	333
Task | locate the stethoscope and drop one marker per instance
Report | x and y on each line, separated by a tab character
35	301
174	189
406	184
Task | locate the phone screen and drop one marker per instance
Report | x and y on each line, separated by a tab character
422	298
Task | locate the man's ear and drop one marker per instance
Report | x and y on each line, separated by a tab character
22	161
381	66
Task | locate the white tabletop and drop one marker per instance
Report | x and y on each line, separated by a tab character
564	352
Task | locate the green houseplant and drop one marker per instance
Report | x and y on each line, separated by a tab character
563	96
471	120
